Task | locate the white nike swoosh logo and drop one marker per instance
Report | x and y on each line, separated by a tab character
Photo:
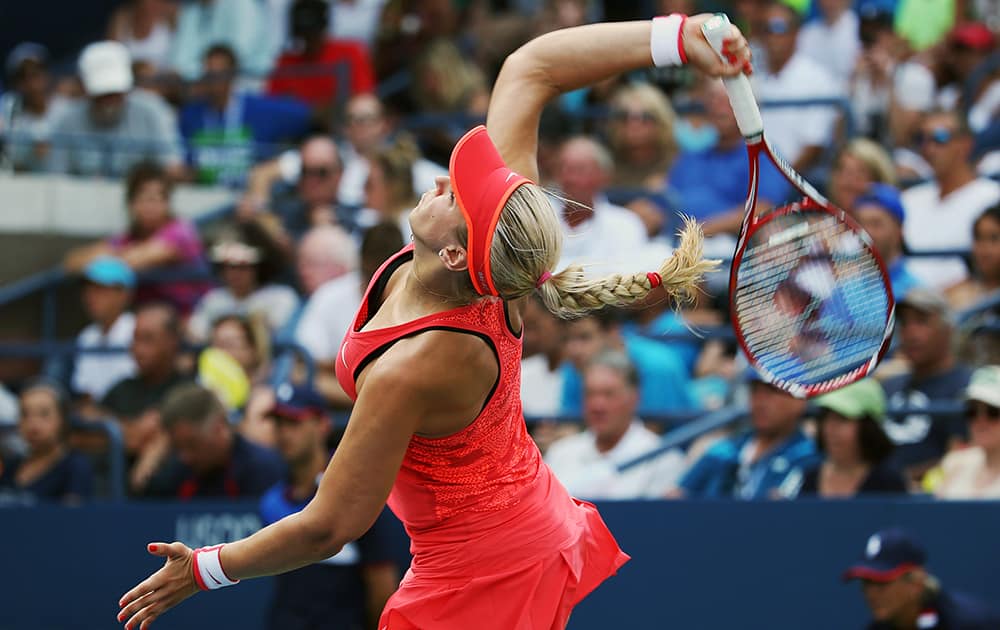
509	175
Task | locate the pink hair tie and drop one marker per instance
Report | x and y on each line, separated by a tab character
542	279
655	279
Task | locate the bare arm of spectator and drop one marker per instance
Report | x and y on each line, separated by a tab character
808	158
649	213
78	258
731	220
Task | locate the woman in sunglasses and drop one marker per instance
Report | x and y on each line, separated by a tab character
433	361
974	472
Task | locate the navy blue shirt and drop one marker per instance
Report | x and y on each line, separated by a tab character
331	593
70	478
251	470
952	611
724	471
921	438
709	183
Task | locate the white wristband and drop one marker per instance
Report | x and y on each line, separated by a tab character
208	571
665	40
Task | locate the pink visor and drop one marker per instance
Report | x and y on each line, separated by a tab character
482	184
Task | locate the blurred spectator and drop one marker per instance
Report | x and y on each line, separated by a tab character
587	463
247	268
542	357
925	340
967	50
832	39
800	134
238	24
347	590
985	279
389	192
134	401
974	472
765	462
406	29
878	66
711	184
231	129
331	309
595	231
28	108
664	384
880	212
115	127
317	69
902	595
155	239
861	163
209	459
246	340
107	292
50	471
366	132
641	137
941	212
324	253
853	445
146	28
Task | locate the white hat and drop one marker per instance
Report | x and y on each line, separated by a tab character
984	385
106	68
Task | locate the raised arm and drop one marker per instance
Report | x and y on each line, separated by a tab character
575	57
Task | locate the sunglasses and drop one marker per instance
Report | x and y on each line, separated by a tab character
622	115
938	135
316	171
982	410
777	26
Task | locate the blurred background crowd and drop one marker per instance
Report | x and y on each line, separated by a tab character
324	121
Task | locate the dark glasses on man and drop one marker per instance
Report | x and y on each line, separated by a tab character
623	115
975	410
938	135
777	26
319	172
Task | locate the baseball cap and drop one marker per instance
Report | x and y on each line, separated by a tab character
972	35
25	51
861	398
888	554
926	301
105	68
984	385
109	271
297	402
884	196
482	184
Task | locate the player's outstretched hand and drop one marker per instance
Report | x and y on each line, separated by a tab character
163	590
701	55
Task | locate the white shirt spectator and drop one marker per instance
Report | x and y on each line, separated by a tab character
355	19
936	223
836	46
609	241
25	130
590	474
792	129
238	23
95	374
328	316
277	303
541	389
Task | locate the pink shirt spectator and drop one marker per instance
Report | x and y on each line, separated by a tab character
181	236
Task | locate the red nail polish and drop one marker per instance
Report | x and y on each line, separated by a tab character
152	547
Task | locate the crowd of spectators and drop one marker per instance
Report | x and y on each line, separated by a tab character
328	119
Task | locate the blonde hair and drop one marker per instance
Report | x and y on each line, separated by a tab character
455	80
875	159
652	100
528	243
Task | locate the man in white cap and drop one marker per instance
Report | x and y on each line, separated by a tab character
116	126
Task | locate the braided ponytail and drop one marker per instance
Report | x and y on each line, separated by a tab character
570	293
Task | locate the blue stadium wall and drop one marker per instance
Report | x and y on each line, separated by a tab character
695	565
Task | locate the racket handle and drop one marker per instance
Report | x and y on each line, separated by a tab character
717	29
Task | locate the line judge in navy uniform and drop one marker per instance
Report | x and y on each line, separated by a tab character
346	591
902	595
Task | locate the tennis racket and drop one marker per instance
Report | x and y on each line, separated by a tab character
810	298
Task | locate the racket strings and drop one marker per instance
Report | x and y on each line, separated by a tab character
810	298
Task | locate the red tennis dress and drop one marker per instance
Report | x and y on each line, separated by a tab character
497	542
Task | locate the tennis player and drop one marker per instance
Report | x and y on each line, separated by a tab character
433	360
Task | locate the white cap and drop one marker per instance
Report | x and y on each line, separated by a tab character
984	385
106	68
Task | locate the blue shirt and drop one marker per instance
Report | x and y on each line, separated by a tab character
724	472
900	278
663	380
710	183
669	323
222	146
250	471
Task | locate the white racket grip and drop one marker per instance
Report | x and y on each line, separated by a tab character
717	29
